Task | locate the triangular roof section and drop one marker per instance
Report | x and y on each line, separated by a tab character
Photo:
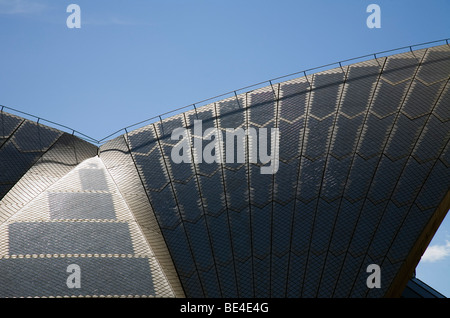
80	219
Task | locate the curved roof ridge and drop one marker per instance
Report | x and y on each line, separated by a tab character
193	105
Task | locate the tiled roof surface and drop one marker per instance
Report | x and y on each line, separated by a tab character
363	178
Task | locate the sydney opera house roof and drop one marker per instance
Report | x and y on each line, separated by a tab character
362	177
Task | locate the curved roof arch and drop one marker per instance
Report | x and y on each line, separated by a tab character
362	156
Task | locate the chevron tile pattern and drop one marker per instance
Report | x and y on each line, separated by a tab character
363	178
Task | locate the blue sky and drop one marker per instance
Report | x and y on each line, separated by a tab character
132	60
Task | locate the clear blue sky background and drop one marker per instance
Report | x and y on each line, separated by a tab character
133	60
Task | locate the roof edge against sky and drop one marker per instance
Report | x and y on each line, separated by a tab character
99	142
419	247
